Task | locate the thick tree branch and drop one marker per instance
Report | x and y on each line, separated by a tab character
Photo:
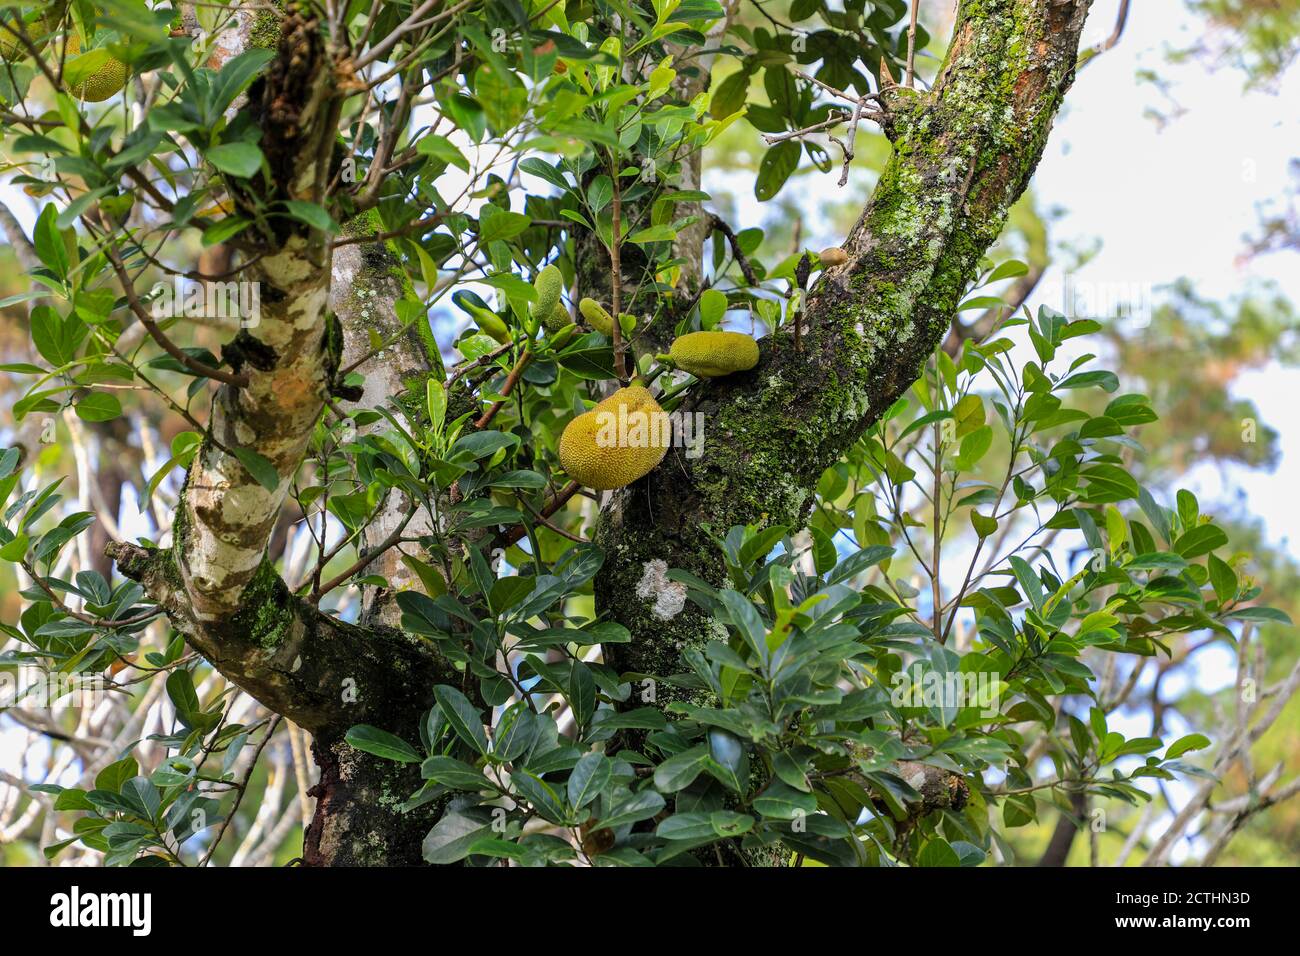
963	153
322	673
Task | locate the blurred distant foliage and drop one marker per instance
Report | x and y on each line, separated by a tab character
1263	36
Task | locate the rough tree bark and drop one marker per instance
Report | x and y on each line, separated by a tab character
963	153
215	581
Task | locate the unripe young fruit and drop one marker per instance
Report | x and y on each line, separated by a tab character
490	324
559	318
620	440
713	354
104	83
833	256
597	317
548	285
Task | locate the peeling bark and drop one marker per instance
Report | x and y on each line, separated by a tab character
367	283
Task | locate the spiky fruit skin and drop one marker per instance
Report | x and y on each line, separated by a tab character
597	317
620	440
548	285
38	31
714	354
559	318
104	83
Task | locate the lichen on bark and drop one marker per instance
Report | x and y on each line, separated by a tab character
963	153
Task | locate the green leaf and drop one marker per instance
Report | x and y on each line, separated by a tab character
1223	579
783	802
973	447
439	147
451	772
654	234
747	621
1109	483
312	214
641	806
98	407
588	778
241	160
695	825
983	525
497	223
451	837
824	553
713	306
463	717
223	229
381	743
775	168
540	794
435	400
1260	614
1104	380
1184	744
48	241
263	471
1200	540
16	549
937	852
56	337
681	770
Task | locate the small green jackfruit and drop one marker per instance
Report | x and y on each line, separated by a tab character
559	318
548	285
714	354
597	317
490	324
620	440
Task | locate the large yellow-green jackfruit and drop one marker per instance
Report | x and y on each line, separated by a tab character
713	354
105	82
38	28
620	440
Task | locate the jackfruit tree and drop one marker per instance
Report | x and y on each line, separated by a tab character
571	522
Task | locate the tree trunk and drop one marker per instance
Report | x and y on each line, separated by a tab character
963	154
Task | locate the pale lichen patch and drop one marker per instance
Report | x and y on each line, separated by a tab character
669	597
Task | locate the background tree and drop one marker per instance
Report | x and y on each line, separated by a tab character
384	551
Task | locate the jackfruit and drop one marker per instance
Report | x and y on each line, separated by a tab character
548	285
620	440
559	318
490	324
38	30
104	83
597	317
714	354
